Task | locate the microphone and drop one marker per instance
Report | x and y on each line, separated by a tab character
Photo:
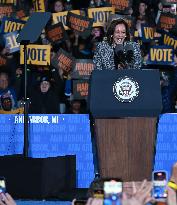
119	54
129	53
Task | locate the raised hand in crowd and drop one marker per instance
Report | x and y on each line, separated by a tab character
94	201
173	177
19	72
171	198
172	187
140	196
6	199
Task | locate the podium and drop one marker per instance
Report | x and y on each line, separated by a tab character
125	105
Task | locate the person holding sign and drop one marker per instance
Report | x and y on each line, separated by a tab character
116	51
144	16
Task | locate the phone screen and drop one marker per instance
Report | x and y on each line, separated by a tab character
2	185
160	184
112	192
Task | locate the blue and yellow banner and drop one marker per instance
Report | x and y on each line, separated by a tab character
36	54
169	40
161	55
10	41
147	33
61	17
39	5
11	24
100	15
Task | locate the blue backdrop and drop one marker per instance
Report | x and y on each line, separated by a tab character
58	135
50	136
166	145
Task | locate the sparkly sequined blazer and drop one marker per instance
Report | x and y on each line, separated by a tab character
104	56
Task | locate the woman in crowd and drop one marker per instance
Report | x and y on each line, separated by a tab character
143	16
57	6
116	51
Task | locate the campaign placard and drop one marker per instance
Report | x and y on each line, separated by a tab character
100	15
80	89
61	17
56	33
167	21
63	60
39	5
11	24
121	6
82	69
169	40
161	55
147	33
36	54
6	10
81	24
10	41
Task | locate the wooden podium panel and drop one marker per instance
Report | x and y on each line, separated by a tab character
126	147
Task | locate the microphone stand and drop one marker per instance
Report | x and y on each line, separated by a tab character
26	102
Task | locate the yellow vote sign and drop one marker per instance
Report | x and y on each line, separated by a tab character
100	15
147	33
36	54
10	24
163	55
169	40
61	17
39	5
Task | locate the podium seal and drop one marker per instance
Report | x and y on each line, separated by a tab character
126	89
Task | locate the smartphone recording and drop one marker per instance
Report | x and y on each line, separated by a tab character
112	192
160	185
2	185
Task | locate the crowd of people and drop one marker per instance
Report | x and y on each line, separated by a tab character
112	46
138	195
50	89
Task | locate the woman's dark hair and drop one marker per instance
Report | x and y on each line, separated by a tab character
111	29
52	5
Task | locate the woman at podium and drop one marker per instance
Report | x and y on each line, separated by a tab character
116	51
